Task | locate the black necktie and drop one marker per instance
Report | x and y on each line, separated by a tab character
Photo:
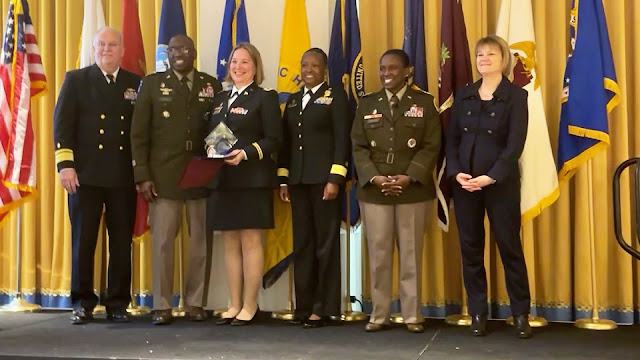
112	79
233	96
394	102
307	97
185	84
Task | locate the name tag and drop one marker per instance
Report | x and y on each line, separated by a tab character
239	111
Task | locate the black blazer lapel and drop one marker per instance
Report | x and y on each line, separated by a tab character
244	95
314	96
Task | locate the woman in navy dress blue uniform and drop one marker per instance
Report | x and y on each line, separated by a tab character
312	169
485	139
241	203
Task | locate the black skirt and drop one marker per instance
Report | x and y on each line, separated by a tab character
240	209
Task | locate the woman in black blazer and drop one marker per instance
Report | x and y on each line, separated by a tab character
241	203
485	138
312	169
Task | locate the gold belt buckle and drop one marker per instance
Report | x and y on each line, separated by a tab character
189	145
390	157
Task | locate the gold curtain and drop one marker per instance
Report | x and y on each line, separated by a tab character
45	227
556	243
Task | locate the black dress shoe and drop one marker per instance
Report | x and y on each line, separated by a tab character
224	321
522	325
479	325
162	317
238	322
118	315
312	324
81	316
197	313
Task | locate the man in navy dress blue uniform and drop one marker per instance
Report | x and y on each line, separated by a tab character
91	135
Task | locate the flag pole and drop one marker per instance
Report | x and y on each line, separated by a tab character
462	319
288	313
593	323
19	304
179	311
101	309
349	314
134	308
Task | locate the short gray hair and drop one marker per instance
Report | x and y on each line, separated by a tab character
106	28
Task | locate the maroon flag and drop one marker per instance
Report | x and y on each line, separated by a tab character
21	78
455	72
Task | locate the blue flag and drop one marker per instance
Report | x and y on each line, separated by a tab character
171	24
413	43
346	70
234	30
590	89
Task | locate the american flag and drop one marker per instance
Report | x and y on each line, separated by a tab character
22	77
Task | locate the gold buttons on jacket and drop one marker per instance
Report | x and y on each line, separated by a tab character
299	124
493	114
103	116
299	136
100	147
101	131
300	148
122	132
121	148
121	117
465	129
489	132
468	112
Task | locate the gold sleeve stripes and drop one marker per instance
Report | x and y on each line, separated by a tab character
338	170
283	172
259	149
63	155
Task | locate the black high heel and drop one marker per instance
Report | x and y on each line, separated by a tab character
239	322
224	321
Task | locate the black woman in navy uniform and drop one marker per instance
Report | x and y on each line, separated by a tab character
486	136
312	166
91	125
241	203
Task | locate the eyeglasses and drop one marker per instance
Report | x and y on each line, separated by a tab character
180	49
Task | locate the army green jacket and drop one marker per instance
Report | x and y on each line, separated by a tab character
406	143
168	129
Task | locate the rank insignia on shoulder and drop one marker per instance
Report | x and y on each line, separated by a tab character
324	100
268	89
130	94
239	111
415	111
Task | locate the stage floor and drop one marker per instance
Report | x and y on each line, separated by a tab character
49	335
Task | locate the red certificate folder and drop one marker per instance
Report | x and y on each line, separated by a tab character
200	171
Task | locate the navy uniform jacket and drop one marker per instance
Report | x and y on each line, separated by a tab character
254	118
316	147
169	127
406	143
91	124
490	141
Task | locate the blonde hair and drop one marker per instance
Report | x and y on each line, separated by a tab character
495	40
258	78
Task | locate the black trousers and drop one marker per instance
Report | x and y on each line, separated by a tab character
316	246
502	204
85	211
